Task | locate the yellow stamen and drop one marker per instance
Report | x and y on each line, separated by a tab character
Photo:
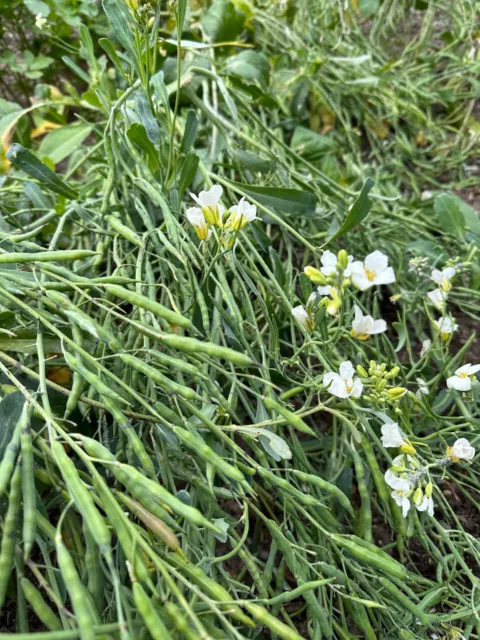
370	275
462	374
348	387
211	215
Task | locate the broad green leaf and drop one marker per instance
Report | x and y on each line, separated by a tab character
223	22
137	133
311	145
10	410
273	444
111	52
291	201
119	18
251	67
358	212
59	144
37	7
190	132
26	161
160	90
223	525
448	214
253	162
148	119
189	169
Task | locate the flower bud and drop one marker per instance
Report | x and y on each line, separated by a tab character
418	496
393	373
407	447
429	490
395	393
381	385
342	258
361	371
315	275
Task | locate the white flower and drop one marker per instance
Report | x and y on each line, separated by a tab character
443	278
393	436
445	326
241	214
329	261
422	387
197	219
426	505
334	304
374	270
438	297
345	384
461	450
40	21
365	326
462	380
426	344
402	501
302	317
210	205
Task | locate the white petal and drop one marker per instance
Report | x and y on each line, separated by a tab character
391	435
329	261
337	385
300	314
357	388
195	216
460	384
448	273
324	291
379	326
437	276
346	370
361	281
474	368
437	297
385	277
376	261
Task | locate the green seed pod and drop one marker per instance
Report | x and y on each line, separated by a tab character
45	256
295	421
7	550
274	624
82	498
28	490
153	621
44	612
154	307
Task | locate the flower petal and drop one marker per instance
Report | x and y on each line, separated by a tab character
376	261
346	370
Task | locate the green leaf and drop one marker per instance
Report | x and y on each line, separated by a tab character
26	161
449	215
137	134
311	145
37	6
10	411
223	22
358	212
190	133
181	11
147	118
292	201
251	67
59	144
189	169
111	52
273	444
119	18
253	162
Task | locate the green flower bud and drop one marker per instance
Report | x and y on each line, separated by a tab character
429	490
342	258
418	496
395	393
315	275
361	371
393	373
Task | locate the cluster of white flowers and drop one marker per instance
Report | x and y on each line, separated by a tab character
40	21
211	212
408	478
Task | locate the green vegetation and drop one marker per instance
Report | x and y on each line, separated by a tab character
238	293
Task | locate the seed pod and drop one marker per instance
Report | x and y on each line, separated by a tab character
103	389
369	554
125	231
43	610
295	421
9	457
274	624
213	589
208	454
322	484
154	307
284	485
46	256
28	490
152	620
191	514
82	498
405	602
168	385
192	345
76	590
7	550
83	320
